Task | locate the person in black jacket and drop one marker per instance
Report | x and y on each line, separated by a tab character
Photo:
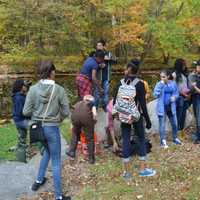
21	122
131	74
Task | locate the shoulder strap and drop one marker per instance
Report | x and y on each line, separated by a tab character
49	102
122	81
135	81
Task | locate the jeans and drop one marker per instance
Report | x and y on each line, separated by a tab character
173	122
104	98
126	135
52	135
196	108
182	105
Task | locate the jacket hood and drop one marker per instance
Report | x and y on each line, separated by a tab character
44	91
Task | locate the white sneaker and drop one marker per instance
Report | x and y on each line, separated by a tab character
164	144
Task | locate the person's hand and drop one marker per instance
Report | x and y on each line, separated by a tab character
162	81
130	119
116	116
173	99
115	147
102	65
106	57
148	124
94	117
194	84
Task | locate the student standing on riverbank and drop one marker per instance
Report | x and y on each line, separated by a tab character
194	79
140	102
180	75
104	75
50	114
21	122
166	93
87	78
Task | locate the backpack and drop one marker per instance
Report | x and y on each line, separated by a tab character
125	102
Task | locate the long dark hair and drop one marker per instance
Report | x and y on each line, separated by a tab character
180	68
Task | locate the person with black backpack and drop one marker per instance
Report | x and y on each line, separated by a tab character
130	107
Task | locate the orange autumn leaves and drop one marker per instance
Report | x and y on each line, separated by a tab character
130	27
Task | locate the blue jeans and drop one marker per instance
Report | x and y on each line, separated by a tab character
104	98
173	122
52	135
182	105
196	108
126	134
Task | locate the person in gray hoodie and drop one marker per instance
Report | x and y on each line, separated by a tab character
36	106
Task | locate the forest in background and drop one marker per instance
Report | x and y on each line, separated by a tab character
156	31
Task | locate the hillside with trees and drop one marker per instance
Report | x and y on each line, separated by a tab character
157	31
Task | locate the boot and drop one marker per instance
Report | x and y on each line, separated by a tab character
91	153
21	154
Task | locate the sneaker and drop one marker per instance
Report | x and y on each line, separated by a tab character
37	185
65	198
147	172
177	141
126	176
164	144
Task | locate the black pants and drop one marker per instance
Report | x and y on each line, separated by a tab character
88	129
126	134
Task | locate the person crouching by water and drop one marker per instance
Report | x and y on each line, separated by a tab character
166	93
83	118
35	107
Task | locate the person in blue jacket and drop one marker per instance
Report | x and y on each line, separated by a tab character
21	122
166	93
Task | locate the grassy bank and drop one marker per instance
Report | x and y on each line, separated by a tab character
177	178
8	139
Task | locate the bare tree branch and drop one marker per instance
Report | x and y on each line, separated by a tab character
179	9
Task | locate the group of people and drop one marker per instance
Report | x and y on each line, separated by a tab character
175	92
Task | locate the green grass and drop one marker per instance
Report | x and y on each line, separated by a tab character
65	129
178	177
8	138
